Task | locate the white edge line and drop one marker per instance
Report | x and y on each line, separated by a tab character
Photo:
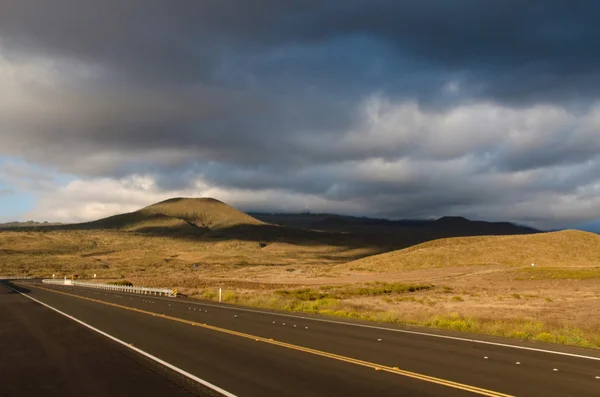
140	351
483	342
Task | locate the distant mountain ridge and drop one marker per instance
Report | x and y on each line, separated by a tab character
212	219
333	222
29	223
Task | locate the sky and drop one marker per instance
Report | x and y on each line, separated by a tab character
413	109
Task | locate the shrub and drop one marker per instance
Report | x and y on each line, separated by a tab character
544	337
209	295
520	335
229	296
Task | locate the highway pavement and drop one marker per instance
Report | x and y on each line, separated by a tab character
260	353
45	354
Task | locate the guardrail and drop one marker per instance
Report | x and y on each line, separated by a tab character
115	288
15	278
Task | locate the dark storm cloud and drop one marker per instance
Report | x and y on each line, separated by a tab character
300	95
192	41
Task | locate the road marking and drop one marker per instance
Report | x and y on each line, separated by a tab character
131	347
404	331
378	367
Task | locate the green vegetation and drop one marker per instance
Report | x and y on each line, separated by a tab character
518	328
348	291
229	296
516	296
457	299
553	273
208	295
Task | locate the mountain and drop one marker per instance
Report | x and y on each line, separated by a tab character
445	226
28	224
185	214
211	219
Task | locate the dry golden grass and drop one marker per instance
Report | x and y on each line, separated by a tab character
553	273
564	248
165	260
478	284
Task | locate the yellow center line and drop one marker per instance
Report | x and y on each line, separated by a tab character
378	367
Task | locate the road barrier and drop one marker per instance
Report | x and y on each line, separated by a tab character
115	288
15	278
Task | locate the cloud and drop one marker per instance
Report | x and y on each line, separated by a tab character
83	200
521	197
6	192
482	109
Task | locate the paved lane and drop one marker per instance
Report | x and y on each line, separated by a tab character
249	368
45	354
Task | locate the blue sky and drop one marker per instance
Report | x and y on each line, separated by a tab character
14	206
13	203
22	183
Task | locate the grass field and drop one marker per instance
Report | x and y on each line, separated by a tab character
565	249
480	284
421	310
552	273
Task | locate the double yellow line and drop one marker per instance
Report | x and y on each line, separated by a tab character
378	367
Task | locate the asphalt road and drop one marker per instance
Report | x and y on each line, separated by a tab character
253	353
45	354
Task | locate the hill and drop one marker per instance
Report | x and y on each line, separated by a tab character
563	248
191	214
211	219
443	227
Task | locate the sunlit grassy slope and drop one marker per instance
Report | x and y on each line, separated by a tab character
563	248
